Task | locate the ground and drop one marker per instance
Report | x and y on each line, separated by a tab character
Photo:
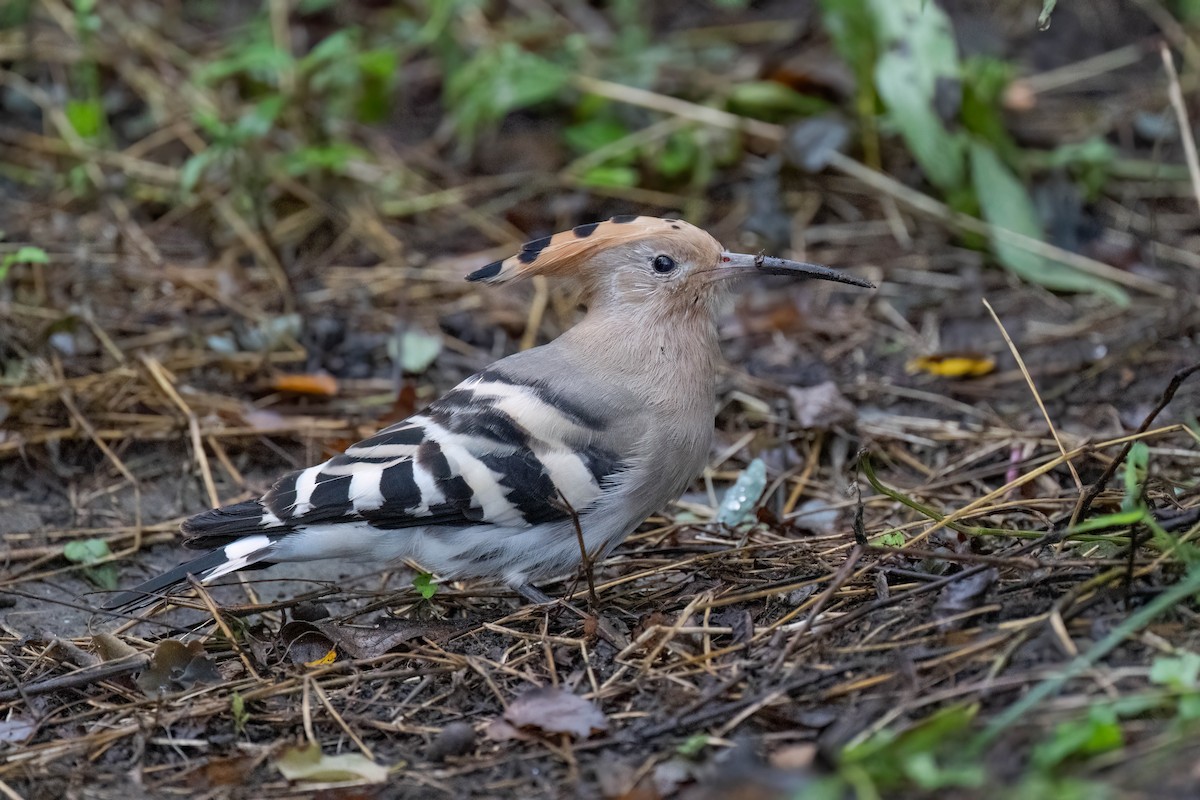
952	584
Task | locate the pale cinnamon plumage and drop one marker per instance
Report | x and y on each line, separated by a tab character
610	421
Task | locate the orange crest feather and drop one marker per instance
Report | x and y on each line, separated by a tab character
562	253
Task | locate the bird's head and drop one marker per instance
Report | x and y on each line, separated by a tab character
632	261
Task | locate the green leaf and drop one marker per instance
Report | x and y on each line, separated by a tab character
86	117
86	551
194	167
850	26
424	585
1098	732
498	81
589	136
678	155
893	539
693	745
237	709
377	69
611	177
26	254
1122	519
320	158
1179	673
773	100
1006	204
926	753
1136	465
259	121
984	82
916	75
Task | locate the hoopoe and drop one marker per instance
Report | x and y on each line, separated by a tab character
586	435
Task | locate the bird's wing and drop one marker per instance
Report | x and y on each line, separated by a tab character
493	450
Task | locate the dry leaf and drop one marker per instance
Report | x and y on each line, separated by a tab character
821	406
111	648
387	634
304	643
177	667
16	730
965	594
554	710
317	383
308	763
952	365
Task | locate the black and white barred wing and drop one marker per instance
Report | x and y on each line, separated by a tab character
494	455
491	451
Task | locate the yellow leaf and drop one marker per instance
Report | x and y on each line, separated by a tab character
953	365
324	660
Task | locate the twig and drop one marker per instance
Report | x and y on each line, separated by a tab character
1175	93
1033	388
83	677
839	578
1139	619
1085	503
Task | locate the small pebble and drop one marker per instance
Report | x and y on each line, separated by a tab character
456	739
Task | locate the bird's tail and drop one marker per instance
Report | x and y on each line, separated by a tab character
246	552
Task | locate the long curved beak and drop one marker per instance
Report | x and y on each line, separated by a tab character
744	264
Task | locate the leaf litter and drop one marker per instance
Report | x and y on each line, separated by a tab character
784	634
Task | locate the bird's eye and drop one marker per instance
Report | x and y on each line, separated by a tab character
663	264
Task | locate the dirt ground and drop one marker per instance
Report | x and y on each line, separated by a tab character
147	371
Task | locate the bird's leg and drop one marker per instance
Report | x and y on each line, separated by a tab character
534	594
583	553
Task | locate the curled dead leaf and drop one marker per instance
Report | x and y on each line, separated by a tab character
111	648
547	711
177	667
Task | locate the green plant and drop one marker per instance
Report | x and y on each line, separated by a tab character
1135	512
89	553
25	254
424	585
947	112
237	709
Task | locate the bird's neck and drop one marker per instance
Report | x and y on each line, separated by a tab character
664	355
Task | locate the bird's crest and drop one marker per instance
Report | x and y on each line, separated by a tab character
561	253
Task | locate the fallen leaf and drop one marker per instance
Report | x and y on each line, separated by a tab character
964	594
324	660
304	643
952	365
111	648
308	763
360	641
16	730
822	406
498	730
177	667
316	383
228	771
555	710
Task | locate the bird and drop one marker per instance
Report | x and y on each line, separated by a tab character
544	460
